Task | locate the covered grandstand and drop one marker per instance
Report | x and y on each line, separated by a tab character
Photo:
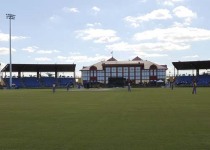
39	81
201	79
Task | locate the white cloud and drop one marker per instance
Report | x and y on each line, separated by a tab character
143	1
78	58
190	57
178	24
35	49
5	37
174	34
47	51
155	46
55	19
30	49
70	10
150	55
96	9
74	53
169	2
43	59
162	40
93	24
146	50
184	13
98	35
2	65
61	57
5	50
18	37
160	14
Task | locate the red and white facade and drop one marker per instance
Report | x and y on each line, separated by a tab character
136	70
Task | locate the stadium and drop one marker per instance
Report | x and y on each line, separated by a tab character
104	75
104	118
110	73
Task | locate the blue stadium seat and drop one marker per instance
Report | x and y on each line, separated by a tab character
31	82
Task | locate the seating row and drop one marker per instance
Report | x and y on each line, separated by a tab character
33	82
201	80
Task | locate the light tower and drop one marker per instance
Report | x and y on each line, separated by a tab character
10	17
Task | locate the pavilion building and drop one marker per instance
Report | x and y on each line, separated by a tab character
136	70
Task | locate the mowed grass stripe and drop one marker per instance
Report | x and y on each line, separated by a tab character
153	118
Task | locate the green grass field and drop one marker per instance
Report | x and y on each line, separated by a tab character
144	119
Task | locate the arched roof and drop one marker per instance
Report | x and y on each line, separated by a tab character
137	58
145	64
112	59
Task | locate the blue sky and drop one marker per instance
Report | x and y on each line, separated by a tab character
85	32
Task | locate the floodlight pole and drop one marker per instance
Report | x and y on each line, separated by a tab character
10	17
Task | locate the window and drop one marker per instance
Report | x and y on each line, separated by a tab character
119	69
131	77
145	74
131	72
125	75
85	78
107	69
119	74
107	74
101	79
131	69
153	72
100	76
85	75
93	73
138	69
138	72
113	69
107	80
125	69
161	74
100	73
113	74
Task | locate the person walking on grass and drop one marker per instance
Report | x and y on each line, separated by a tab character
68	86
53	87
129	87
172	85
194	87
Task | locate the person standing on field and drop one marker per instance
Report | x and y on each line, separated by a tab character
194	87
129	87
67	86
53	87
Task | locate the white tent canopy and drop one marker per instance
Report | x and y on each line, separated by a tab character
160	81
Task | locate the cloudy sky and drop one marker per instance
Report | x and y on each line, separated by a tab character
85	32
